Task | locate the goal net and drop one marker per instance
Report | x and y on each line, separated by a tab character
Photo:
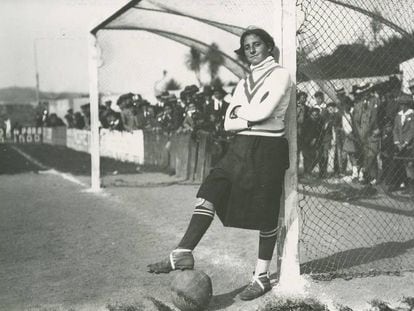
355	69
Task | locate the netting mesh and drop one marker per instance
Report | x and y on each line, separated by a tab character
355	181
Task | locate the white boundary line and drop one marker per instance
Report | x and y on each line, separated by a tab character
49	170
29	158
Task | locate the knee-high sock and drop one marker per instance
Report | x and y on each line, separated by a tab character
267	242
200	221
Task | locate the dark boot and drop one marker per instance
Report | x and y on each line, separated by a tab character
258	287
178	260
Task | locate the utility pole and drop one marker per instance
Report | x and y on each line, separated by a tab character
36	71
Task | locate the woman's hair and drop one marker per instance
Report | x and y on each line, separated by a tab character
262	34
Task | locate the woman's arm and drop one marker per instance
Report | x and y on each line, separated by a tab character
259	109
232	122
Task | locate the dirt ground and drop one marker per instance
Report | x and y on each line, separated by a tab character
63	248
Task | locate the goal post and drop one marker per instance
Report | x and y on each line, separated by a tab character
93	62
288	247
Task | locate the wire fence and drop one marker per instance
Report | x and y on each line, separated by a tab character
355	137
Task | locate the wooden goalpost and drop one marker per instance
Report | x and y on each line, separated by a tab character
288	242
93	63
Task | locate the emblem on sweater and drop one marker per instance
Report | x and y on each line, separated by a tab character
251	87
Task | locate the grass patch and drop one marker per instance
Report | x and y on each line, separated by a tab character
315	305
296	305
150	303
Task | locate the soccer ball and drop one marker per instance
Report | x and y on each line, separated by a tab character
191	290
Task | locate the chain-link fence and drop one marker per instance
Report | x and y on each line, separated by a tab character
355	136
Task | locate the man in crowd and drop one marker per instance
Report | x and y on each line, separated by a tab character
320	101
348	148
105	112
329	120
86	116
219	104
311	140
403	134
344	143
367	131
70	118
54	121
125	103
302	112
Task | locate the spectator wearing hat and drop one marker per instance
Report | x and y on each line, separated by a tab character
220	105
389	176
114	121
327	146
311	140
70	118
302	112
86	115
125	103
367	132
403	134
348	138
54	121
150	118
165	119
105	112
320	101
345	145
79	120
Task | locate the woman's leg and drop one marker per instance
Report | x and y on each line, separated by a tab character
214	188
202	217
181	258
261	279
267	243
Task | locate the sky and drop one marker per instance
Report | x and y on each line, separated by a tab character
56	31
131	61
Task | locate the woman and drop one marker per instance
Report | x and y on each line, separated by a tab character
245	188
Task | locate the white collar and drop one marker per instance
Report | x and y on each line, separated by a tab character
267	62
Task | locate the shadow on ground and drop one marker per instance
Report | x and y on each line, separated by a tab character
360	256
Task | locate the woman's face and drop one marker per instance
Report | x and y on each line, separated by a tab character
255	49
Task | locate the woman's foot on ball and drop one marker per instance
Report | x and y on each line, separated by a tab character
179	259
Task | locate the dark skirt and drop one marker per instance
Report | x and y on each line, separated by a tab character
246	185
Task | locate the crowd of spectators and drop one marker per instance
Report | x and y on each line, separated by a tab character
367	135
194	110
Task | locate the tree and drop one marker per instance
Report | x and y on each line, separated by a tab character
172	85
214	60
194	61
376	27
217	83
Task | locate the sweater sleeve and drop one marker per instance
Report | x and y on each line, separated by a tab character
231	122
259	109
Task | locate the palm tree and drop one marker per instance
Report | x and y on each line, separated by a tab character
193	62
172	85
214	60
376	27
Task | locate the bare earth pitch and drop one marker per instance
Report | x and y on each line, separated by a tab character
65	248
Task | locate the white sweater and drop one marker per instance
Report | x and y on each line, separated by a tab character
262	97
